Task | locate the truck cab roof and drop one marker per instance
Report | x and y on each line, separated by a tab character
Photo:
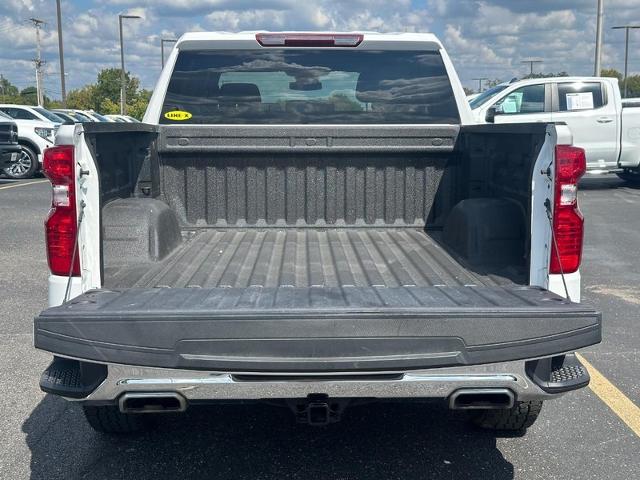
248	39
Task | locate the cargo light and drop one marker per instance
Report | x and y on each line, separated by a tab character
309	39
568	222
61	227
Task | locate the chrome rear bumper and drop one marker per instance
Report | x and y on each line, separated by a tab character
203	385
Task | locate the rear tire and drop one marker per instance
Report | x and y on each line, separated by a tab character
518	418
109	419
631	176
25	167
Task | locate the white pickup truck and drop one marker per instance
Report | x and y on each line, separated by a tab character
601	123
293	223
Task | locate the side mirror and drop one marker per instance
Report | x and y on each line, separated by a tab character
492	112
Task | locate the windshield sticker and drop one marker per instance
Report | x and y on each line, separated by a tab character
580	101
177	115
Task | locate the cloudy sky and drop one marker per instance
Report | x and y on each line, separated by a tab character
486	38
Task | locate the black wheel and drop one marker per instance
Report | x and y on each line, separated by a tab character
518	418
109	419
630	176
25	166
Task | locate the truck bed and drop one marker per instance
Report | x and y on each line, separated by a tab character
347	257
219	255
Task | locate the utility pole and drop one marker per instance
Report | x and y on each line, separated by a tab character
63	88
480	80
598	62
531	63
123	80
2	86
162	42
38	61
626	54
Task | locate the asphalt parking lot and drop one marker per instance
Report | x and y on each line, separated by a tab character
576	437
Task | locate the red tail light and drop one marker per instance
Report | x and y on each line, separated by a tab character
568	223
61	226
309	39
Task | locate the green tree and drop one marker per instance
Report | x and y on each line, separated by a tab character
29	96
611	72
7	89
108	107
104	95
137	108
51	104
633	82
109	82
546	75
82	98
633	86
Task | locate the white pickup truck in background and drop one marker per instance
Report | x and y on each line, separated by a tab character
607	127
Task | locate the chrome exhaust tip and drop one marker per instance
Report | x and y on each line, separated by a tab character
482	399
155	402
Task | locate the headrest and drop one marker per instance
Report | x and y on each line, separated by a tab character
243	92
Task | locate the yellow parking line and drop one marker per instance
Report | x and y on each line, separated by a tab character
617	401
16	185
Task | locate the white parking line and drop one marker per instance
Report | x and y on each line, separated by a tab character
16	185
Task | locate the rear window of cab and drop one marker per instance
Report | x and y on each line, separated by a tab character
300	86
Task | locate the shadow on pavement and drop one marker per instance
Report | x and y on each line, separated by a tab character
376	441
604	182
7	181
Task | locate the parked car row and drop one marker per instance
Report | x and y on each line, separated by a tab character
36	130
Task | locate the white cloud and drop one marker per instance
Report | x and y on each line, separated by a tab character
486	38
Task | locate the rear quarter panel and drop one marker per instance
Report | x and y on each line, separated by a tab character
630	144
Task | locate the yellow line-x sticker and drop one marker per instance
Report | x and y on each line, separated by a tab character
178	115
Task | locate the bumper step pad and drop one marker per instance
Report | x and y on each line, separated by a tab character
72	378
558	374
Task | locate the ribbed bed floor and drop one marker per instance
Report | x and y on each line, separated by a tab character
301	258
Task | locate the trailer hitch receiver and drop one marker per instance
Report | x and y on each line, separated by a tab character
318	409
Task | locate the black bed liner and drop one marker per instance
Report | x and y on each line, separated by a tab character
289	257
320	329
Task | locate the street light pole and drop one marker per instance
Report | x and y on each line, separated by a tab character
63	87
123	81
162	42
598	62
626	63
626	54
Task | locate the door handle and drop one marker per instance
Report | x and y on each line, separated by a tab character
605	120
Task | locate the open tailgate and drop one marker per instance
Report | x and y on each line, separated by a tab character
284	329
